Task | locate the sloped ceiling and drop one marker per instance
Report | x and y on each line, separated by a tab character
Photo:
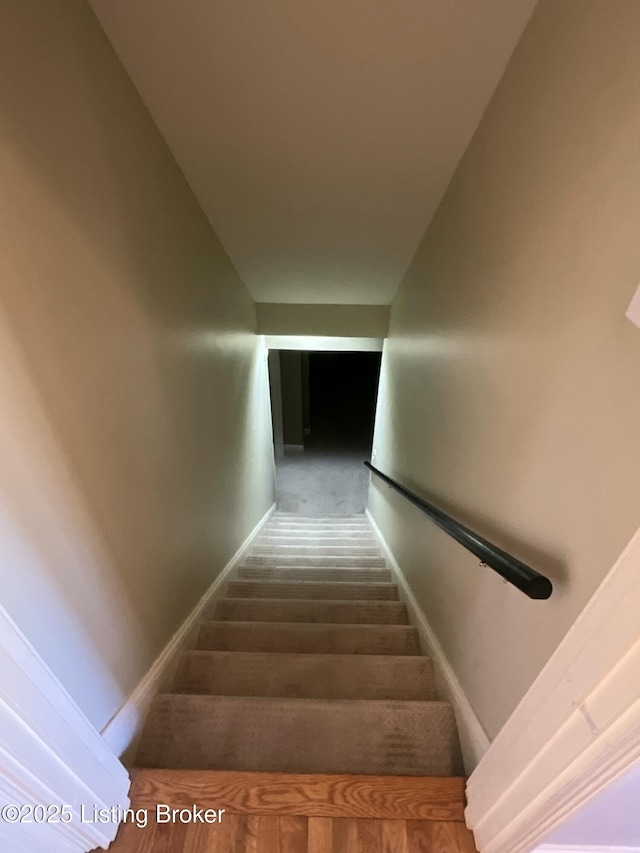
319	136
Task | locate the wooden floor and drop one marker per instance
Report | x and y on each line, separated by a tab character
289	813
294	834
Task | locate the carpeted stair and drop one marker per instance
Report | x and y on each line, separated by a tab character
308	665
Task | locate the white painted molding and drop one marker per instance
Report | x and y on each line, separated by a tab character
324	343
123	730
576	730
50	755
473	738
583	848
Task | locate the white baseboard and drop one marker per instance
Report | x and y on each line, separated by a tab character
473	738
584	848
293	448
123	729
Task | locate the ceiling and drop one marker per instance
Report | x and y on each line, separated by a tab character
318	136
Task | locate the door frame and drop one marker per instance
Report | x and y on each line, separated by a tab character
275	395
576	730
50	755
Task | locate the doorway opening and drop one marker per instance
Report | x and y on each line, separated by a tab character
323	414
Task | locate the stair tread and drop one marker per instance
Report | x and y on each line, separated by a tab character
319	530
320	676
311	610
291	544
314	551
338	560
330	521
292	573
320	536
347	524
317	545
342	590
436	798
272	734
325	638
331	516
277	563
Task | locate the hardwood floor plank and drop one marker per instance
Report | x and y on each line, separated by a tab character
320	835
345	835
170	838
212	838
466	842
198	839
418	836
369	835
443	838
268	834
247	836
129	839
151	838
293	834
313	795
394	836
224	834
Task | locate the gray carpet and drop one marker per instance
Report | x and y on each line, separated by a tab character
321	481
307	676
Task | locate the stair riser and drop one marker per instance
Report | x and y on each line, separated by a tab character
327	518
302	566
317	530
322	561
273	542
309	589
312	551
319	533
355	613
309	639
403	678
290	524
254	734
320	575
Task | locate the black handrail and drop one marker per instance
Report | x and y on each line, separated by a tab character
527	580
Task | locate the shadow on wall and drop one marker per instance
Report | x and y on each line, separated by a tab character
328	401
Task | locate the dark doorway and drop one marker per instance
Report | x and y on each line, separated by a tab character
325	476
342	397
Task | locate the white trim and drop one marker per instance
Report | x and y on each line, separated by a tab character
275	399
576	730
473	738
124	728
584	848
324	343
50	755
293	448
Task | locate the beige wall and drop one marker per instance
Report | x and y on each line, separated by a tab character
355	321
510	381
135	448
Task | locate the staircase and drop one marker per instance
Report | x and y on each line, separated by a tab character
309	665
